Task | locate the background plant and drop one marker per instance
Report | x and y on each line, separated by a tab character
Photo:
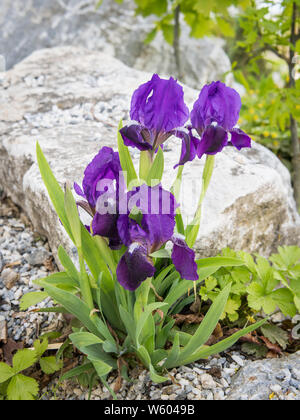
14	384
204	19
276	104
258	285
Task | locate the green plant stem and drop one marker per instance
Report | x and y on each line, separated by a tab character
193	228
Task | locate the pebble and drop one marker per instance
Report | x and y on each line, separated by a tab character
16	242
207	381
9	278
238	360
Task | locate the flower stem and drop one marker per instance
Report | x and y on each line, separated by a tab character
192	229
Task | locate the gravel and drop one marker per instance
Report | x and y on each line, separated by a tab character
22	256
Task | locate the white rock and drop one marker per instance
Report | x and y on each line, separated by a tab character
207	381
249	204
238	360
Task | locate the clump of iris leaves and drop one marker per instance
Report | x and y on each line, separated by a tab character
126	314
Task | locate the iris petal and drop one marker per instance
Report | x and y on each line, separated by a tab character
216	103
136	136
134	267
214	139
159	106
105	165
183	259
189	147
240	139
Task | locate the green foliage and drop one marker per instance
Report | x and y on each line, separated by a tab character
265	113
16	386
265	46
257	285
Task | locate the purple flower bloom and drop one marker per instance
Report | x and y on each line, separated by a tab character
159	108
216	103
214	115
154	229
102	174
105	166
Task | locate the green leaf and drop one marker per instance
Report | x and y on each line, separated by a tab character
101	368
40	347
255	349
87	367
219	262
162	253
151	35
226	28
74	306
275	335
68	265
83	339
31	299
208	324
125	159
50	365
22	388
145	164
145	314
24	359
284	299
6	372
157	169
128	322
60	280
207	351
73	217
54	190
173	353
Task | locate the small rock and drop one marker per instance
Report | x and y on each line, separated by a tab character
37	256
207	381
3	330
276	388
9	278
238	360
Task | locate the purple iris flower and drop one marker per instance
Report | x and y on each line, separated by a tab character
153	230
214	116
102	176
158	109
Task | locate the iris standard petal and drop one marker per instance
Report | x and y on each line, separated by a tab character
130	231
183	259
135	136
240	139
134	267
159	105
105	165
216	103
214	139
105	225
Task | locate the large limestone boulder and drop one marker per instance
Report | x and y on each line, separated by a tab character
26	26
71	100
